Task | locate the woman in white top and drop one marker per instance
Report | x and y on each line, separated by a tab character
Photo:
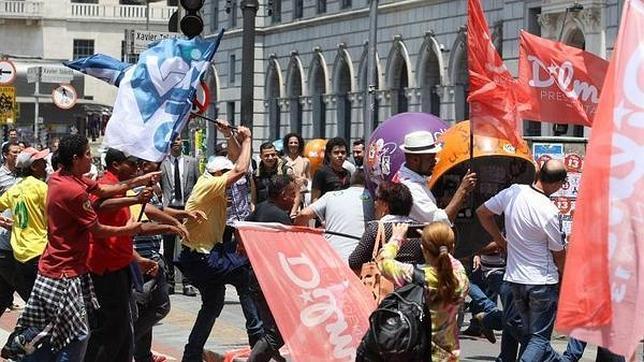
301	166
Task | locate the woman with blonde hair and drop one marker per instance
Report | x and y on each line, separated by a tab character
445	281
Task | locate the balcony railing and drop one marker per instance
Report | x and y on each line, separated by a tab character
21	9
121	12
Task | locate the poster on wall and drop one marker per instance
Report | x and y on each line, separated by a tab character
566	198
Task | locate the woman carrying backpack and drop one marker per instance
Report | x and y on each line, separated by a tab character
445	281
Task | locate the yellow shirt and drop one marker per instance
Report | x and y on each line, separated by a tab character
209	196
26	200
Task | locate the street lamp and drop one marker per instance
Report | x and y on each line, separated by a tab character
559	129
249	11
370	93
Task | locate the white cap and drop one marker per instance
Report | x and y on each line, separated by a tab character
218	163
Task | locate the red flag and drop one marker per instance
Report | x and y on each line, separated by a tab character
493	92
321	307
602	295
563	83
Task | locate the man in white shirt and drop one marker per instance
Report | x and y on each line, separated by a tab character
420	149
343	211
535	249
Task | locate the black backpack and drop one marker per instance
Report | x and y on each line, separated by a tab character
400	328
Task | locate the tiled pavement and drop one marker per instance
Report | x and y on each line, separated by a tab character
229	334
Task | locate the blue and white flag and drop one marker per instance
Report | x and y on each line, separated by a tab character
101	66
155	96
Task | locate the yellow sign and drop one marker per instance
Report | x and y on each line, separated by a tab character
7	104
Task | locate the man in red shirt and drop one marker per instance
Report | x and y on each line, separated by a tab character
109	262
56	318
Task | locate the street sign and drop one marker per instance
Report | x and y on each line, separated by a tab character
139	40
7	103
56	74
7	72
64	96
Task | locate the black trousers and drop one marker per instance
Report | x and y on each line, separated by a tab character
169	243
7	279
112	340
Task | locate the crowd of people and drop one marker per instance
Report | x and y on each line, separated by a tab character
95	260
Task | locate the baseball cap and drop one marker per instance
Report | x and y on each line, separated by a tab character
29	155
219	163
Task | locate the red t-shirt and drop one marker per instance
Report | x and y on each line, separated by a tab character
114	252
69	217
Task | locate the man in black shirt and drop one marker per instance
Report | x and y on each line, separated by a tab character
282	191
271	164
331	176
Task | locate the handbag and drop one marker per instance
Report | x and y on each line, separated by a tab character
370	275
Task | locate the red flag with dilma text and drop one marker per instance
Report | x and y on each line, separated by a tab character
320	306
563	83
602	294
494	96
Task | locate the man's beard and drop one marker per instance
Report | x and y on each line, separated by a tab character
358	161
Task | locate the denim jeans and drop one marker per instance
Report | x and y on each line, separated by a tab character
213	290
270	343
511	325
73	352
537	306
575	350
481	303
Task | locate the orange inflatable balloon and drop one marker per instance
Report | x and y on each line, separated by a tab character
456	149
314	151
497	164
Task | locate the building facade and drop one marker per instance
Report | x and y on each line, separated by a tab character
310	57
48	32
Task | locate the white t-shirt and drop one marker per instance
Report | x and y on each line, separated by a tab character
532	230
344	211
424	208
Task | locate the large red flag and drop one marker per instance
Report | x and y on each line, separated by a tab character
602	296
494	97
562	83
321	307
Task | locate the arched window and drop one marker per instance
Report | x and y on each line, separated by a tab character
273	94
343	89
294	90
460	77
430	79
317	80
399	82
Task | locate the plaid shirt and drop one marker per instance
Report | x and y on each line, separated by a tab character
59	309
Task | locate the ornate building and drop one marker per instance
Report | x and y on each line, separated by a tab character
310	69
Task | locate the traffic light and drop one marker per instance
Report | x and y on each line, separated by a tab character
191	23
270	8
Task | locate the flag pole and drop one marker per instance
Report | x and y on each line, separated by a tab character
215	121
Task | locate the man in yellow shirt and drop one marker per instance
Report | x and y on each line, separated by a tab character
26	200
195	262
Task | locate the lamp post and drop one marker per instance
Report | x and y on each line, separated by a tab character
249	11
370	92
